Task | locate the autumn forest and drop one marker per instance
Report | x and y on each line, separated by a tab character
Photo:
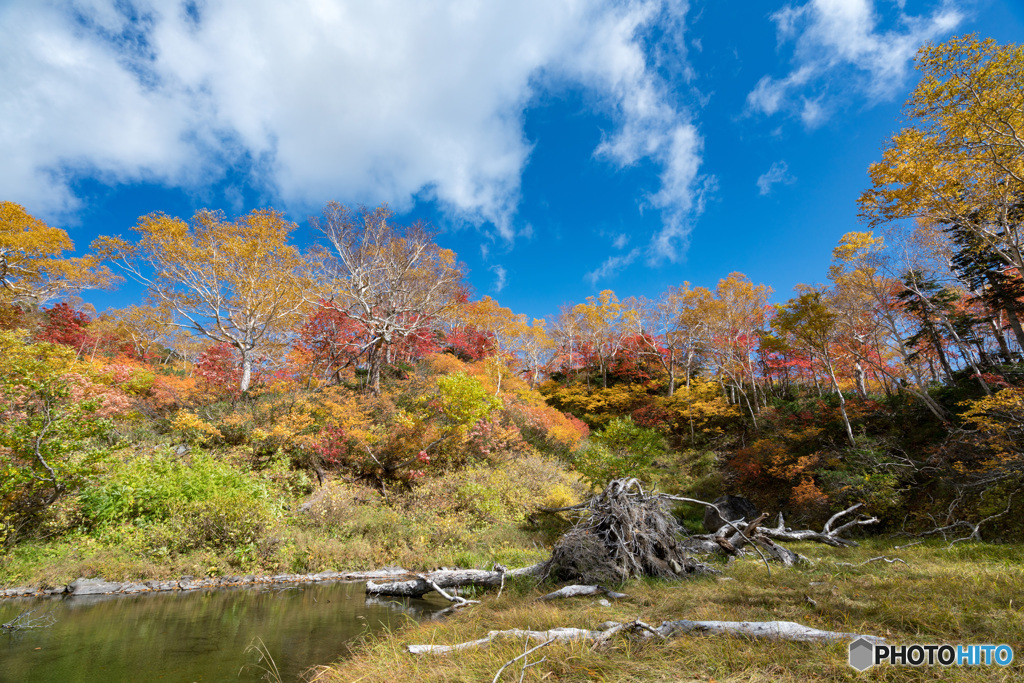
350	403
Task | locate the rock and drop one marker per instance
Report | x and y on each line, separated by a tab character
733	507
18	591
85	586
134	588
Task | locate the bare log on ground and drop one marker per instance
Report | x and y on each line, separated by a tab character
577	590
456	600
768	630
447	578
880	558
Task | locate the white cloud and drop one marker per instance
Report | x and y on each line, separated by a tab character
843	39
328	99
777	173
620	241
500	278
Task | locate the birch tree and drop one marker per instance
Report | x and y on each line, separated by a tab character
394	280
235	282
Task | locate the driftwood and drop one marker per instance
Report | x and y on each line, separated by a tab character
882	558
765	537
769	630
624	533
827	535
575	591
448	578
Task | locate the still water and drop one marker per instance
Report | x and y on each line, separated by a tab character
194	636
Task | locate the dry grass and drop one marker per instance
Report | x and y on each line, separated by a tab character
970	594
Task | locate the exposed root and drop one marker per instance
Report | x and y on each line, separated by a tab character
626	534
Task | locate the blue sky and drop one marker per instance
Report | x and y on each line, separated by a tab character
559	148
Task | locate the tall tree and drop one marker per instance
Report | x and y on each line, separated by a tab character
600	328
32	270
961	162
877	325
396	281
735	318
810	322
236	282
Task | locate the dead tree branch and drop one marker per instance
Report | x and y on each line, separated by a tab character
25	621
522	656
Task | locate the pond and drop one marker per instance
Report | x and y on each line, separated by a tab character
195	636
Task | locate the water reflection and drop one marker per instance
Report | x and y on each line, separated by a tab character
196	636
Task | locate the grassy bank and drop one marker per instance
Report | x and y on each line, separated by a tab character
967	594
166	528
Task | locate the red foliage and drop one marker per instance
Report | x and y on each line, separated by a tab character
221	370
64	325
470	344
654	417
332	338
332	447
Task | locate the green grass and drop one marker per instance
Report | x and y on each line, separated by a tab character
970	594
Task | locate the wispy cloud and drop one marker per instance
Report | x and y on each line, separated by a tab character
611	266
777	173
844	39
500	278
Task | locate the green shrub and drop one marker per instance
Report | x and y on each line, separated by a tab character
181	505
621	449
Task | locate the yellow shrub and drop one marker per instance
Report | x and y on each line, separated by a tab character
193	428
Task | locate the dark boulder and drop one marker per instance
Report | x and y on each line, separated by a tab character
733	507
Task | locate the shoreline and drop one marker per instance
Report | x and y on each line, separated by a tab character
95	586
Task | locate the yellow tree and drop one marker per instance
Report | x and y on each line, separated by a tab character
235	282
32	271
672	329
735	318
486	315
146	326
535	347
600	328
961	162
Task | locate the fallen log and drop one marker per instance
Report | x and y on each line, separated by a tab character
447	578
576	591
767	630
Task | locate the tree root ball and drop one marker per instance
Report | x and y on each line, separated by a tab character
625	534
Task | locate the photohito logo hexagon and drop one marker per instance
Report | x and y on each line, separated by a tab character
862	654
